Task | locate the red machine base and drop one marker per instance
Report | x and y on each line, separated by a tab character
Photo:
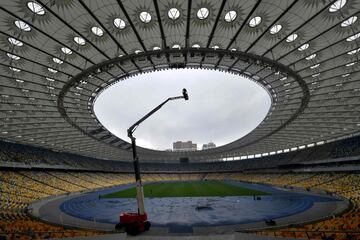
133	223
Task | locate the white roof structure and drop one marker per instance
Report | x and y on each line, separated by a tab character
57	56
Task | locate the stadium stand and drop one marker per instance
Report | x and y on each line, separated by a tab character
331	154
57	57
18	189
344	184
21	185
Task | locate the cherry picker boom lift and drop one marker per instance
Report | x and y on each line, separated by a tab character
135	223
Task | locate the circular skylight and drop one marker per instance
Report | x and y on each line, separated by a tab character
255	21
97	31
202	13
145	17
52	70
12	56
336	6
275	29
349	21
291	37
176	46
14	69
315	66
315	75
22	25
15	42
79	40
36	8
58	61
66	50
222	117
354	51
173	13
230	16
119	23
195	46
312	56
353	37
303	47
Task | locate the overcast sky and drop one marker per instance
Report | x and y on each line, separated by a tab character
222	107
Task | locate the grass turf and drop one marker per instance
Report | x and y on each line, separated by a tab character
187	189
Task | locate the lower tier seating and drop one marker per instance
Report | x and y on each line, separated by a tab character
19	188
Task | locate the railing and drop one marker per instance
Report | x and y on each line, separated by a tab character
312	234
51	234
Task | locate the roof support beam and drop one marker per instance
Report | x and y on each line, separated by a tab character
238	32
133	28
216	23
74	30
270	26
187	34
163	38
214	28
106	30
233	39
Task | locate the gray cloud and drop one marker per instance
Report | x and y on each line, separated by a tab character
222	107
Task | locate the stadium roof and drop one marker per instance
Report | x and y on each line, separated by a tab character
57	56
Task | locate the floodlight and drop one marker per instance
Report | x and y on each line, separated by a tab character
185	94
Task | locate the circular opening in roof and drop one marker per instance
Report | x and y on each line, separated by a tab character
97	31
312	56
291	37
58	61
119	23
303	47
66	50
15	42
145	17
22	25
222	107
202	13
255	21
230	16
349	21
36	8
275	29
79	40
13	56
14	69
173	13
336	6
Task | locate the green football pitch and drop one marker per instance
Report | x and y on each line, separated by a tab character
187	189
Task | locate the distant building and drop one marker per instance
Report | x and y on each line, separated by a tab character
180	146
208	146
